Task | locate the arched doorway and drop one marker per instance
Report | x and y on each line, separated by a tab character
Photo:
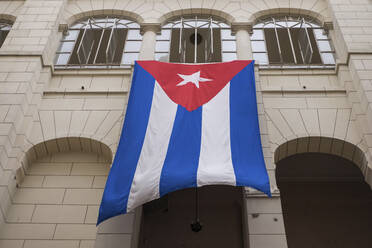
166	222
326	202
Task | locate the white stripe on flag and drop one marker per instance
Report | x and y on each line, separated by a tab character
215	164
145	186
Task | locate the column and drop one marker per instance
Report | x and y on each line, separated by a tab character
242	31
263	217
148	31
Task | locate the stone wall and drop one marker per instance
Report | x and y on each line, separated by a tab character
45	111
56	204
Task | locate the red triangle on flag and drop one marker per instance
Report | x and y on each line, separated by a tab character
192	85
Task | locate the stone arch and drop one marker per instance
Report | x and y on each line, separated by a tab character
203	11
8	18
326	145
317	175
61	185
70	19
65	144
103	126
318	17
328	130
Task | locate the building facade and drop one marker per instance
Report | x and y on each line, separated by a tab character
65	72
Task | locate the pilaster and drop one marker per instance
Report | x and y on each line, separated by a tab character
242	31
148	31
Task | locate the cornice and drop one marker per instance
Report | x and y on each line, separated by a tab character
155	27
236	26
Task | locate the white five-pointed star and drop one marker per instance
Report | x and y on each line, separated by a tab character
193	78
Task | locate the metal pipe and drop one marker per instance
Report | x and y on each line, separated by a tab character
299	45
211	27
99	46
309	41
290	40
277	41
181	30
196	40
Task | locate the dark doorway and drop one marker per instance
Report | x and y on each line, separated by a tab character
326	202
166	222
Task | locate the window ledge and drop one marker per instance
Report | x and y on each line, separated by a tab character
300	89
286	70
254	193
122	70
65	91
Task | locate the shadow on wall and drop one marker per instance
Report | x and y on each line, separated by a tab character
75	145
325	145
326	202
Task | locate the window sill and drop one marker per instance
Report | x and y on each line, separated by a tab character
299	89
294	67
97	66
102	70
66	91
287	70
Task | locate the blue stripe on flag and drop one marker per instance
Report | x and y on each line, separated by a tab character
115	196
246	149
182	159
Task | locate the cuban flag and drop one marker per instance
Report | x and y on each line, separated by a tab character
186	125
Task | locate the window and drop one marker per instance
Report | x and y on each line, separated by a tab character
100	41
293	41
4	30
195	40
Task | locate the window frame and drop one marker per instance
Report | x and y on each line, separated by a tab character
106	23
164	40
5	28
291	22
